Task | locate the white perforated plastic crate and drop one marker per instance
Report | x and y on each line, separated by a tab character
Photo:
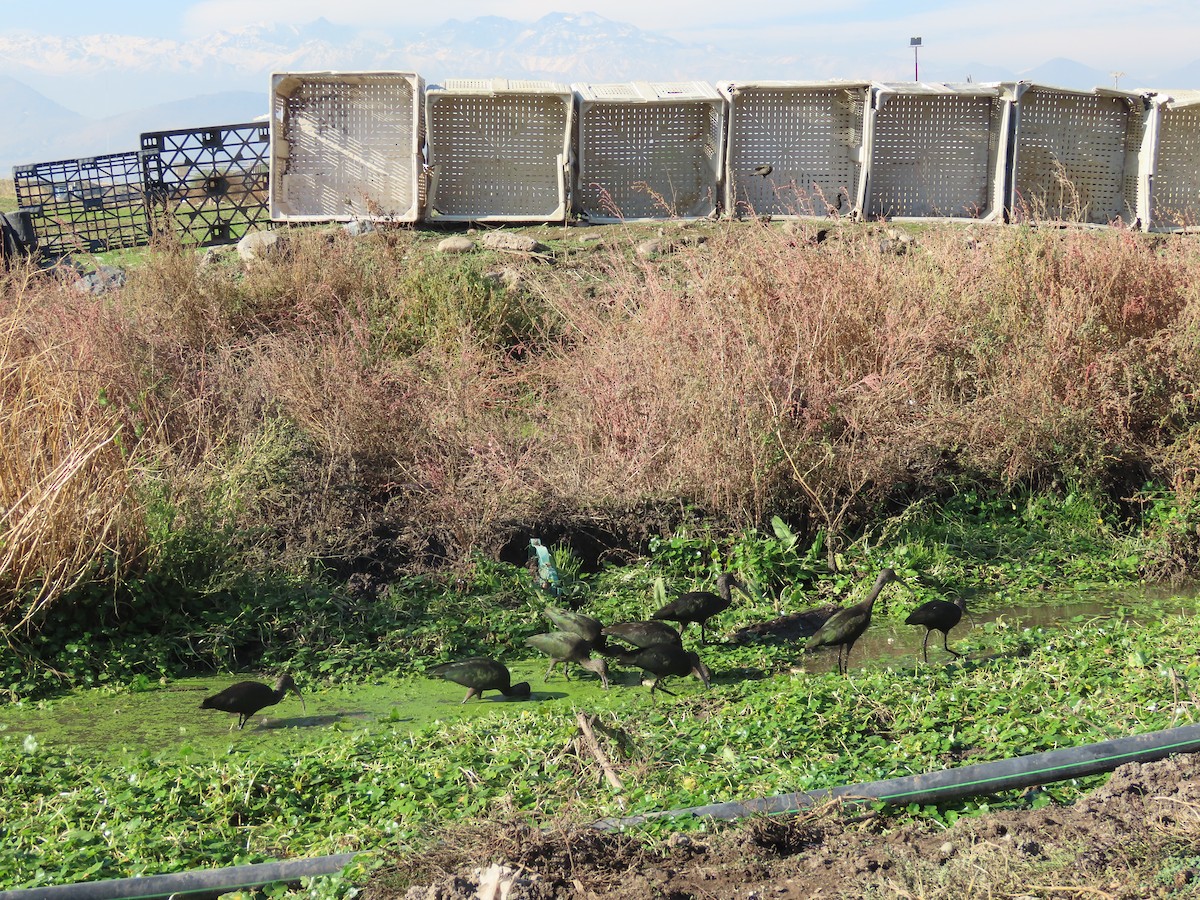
649	150
937	151
498	150
1175	191
346	145
795	148
1079	156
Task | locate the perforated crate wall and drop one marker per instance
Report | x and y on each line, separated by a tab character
1076	155
346	145
649	150
937	151
498	150
1175	196
209	184
810	134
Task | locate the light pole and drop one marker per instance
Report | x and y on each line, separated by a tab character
1116	77
915	43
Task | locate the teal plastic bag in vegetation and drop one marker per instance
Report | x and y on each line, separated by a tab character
545	575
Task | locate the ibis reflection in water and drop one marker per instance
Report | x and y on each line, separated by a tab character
247	697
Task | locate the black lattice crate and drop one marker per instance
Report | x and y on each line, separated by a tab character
347	145
91	204
1078	156
1175	190
649	150
795	148
208	184
937	151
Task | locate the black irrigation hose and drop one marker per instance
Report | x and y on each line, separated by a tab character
209	882
950	785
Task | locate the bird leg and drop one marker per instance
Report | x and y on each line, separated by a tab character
472	692
655	684
553	663
925	645
597	666
945	638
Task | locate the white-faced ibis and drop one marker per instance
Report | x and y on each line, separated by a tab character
700	606
846	626
564	647
642	634
938	615
479	674
577	623
247	697
664	660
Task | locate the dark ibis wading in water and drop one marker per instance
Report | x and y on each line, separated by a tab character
938	615
479	674
700	606
664	660
247	697
564	647
846	626
577	623
641	634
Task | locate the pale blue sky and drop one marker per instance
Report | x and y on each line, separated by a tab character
1147	36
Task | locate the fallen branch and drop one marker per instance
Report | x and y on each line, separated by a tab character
589	738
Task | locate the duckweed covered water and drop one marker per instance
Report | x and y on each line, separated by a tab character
152	718
167	717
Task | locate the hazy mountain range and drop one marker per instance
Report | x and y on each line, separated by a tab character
62	98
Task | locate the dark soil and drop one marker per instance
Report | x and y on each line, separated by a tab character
1136	837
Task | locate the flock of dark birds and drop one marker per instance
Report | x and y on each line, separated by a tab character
652	645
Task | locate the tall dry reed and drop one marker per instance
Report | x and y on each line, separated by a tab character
69	511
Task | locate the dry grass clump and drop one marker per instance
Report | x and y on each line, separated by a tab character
68	508
369	399
762	369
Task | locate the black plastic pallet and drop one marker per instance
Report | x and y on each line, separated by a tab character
208	184
92	204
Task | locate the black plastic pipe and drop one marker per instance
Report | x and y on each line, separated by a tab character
950	785
209	882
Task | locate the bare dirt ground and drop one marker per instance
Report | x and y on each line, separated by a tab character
1137	837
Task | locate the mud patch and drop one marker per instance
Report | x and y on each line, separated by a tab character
1134	838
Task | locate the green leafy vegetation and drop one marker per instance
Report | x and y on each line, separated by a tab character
72	814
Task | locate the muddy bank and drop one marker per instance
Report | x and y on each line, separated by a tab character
1133	838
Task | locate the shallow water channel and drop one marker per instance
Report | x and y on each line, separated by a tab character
167	717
